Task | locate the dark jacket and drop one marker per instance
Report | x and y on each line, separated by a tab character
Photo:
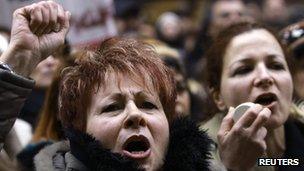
13	91
188	150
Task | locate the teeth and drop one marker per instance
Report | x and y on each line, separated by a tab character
137	152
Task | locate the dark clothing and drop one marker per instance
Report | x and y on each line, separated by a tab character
14	89
294	139
188	150
32	107
26	157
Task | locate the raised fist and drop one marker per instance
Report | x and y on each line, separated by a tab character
37	31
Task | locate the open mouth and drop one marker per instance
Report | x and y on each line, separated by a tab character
266	99
137	147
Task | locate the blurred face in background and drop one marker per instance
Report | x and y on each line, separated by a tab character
182	107
225	13
293	37
44	72
183	101
298	78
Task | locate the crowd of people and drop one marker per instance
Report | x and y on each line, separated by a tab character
154	98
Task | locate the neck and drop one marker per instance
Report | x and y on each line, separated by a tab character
275	141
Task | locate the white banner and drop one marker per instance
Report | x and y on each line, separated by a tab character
91	21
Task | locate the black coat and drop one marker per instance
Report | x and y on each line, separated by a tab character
188	150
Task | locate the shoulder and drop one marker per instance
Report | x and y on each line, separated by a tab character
212	126
13	89
44	159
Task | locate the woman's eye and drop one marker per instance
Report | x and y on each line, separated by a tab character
148	105
112	108
242	70
277	66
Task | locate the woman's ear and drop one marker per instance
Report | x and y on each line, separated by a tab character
216	95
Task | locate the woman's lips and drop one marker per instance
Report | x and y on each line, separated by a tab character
137	147
137	154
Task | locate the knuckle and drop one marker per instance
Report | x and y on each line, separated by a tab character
253	114
220	135
263	117
267	111
259	106
52	4
227	119
264	130
16	12
238	130
60	18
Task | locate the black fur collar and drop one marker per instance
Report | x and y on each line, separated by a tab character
189	149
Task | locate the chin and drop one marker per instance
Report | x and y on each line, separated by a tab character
147	167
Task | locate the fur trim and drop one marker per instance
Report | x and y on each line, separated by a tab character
189	148
26	156
91	153
44	159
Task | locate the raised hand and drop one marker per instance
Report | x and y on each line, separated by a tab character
243	142
37	31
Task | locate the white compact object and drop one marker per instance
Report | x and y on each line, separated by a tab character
240	110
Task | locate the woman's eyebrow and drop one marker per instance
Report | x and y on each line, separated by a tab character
242	60
273	56
141	95
116	96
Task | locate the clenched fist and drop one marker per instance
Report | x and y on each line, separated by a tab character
37	31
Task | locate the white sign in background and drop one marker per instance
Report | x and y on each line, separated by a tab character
91	21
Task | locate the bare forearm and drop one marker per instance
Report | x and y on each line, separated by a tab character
21	62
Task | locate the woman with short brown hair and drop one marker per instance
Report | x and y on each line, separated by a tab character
116	106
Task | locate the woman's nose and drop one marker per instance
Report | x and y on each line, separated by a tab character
134	118
263	77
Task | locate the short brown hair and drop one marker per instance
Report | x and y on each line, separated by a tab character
119	55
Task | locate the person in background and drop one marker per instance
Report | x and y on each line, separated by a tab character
43	75
275	14
49	128
169	31
250	65
293	37
129	19
218	16
188	103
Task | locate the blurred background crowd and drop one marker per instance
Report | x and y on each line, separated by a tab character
181	31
